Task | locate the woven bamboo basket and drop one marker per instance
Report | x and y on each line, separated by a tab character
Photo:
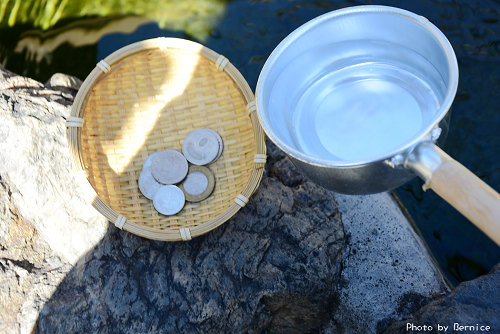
147	97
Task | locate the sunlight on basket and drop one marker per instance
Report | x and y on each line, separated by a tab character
144	114
147	97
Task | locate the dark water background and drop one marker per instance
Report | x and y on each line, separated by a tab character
42	37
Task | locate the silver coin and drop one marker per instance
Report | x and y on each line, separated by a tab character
169	167
221	146
169	200
195	183
147	184
199	184
201	147
149	160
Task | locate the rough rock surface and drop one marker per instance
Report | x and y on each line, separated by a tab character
274	266
44	225
63	82
473	303
387	271
35	167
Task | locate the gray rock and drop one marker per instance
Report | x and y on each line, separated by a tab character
35	167
63	81
274	266
386	267
45	225
474	303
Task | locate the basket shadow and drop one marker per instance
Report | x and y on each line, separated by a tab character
125	284
248	275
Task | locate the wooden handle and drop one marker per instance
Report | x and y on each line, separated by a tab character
468	194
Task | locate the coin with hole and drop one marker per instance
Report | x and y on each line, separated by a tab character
148	184
169	167
198	184
169	200
201	147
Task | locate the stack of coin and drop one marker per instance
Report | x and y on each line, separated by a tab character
169	167
147	183
160	172
202	147
163	169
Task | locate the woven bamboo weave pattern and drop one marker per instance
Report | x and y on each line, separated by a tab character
149	100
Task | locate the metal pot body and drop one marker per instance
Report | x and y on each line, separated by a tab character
349	95
355	180
370	178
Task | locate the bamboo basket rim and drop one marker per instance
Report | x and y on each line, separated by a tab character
76	118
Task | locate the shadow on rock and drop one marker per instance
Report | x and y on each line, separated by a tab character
273	267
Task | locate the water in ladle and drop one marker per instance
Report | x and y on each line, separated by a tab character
370	104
